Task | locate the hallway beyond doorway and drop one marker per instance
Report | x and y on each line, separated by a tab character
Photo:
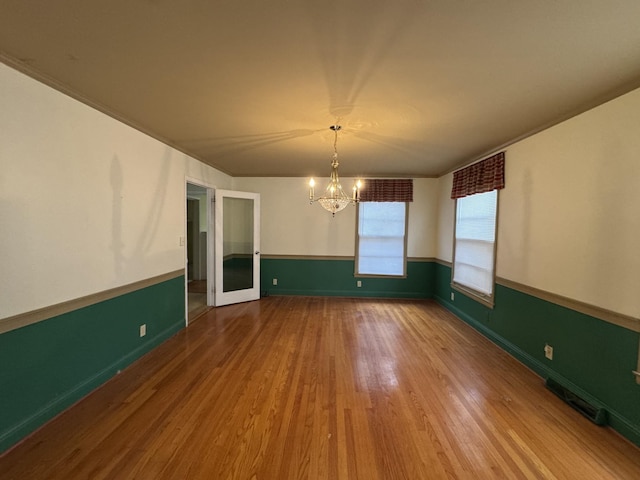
197	298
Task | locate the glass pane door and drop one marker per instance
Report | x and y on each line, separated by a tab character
237	254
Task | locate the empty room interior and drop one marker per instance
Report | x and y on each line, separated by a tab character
324	240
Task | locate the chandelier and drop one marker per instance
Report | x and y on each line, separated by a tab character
334	198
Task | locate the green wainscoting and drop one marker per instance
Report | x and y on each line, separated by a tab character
334	277
48	366
592	357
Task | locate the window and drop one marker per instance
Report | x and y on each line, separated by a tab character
474	247
381	240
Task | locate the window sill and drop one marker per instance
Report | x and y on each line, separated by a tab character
373	275
486	300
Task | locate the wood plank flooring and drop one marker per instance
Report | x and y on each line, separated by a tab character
324	388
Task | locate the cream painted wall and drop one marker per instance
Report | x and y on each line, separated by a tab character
423	219
568	221
572	205
446	216
290	226
86	202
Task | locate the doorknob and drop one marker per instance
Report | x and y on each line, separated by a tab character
257	252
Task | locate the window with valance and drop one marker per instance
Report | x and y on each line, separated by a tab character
382	227
475	189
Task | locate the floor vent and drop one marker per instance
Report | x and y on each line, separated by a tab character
597	415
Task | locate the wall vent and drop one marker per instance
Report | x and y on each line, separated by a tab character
596	414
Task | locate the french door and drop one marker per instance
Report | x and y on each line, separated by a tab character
237	247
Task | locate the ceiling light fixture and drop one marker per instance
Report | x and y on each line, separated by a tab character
334	198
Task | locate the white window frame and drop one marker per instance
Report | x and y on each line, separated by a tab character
485	298
404	248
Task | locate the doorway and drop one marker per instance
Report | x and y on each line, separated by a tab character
222	254
197	230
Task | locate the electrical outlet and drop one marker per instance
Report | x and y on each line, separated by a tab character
275	281
548	351
143	329
181	241
359	283
453	296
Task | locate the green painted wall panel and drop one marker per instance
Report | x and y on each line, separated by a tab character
592	357
47	366
335	278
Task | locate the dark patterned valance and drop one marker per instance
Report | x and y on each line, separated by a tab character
387	190
480	177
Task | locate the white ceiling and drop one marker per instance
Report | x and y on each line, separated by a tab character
252	86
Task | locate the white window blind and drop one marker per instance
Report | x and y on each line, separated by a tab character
381	238
473	264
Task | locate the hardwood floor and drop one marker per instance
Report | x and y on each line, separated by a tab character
295	388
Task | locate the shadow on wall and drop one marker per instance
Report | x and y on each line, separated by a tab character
139	256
